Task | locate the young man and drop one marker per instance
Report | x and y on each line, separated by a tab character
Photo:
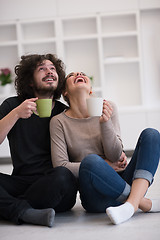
34	189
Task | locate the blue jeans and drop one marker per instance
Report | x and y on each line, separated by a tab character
101	186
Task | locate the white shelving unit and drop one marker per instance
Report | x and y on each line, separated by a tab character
100	45
121	58
107	46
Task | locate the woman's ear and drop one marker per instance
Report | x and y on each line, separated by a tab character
90	92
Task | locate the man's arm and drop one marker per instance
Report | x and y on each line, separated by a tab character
24	110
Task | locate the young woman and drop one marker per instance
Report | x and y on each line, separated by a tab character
92	149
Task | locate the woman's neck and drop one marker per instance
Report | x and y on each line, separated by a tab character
78	107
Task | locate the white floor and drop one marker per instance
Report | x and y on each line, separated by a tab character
79	225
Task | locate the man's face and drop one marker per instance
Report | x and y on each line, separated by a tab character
45	78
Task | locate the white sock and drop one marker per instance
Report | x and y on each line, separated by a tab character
121	213
155	205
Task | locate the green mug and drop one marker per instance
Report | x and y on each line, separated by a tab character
44	107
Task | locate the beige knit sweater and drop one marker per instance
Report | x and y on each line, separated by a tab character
73	139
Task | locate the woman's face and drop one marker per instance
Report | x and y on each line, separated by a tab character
77	80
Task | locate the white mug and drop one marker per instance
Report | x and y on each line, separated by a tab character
95	106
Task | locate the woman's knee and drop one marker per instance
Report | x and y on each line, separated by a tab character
150	134
93	166
90	161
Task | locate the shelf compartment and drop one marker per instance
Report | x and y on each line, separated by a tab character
122	84
38	30
120	47
10	57
79	56
8	33
40	48
79	27
118	23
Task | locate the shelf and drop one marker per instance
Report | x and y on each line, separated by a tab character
120	34
8	43
120	59
81	37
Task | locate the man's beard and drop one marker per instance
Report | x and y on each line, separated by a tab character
44	90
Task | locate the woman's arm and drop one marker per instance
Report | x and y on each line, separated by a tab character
120	165
110	132
59	152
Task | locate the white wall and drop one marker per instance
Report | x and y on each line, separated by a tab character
19	9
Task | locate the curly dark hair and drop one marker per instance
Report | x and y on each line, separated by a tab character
25	74
64	85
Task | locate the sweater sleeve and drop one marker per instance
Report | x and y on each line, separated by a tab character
111	140
59	153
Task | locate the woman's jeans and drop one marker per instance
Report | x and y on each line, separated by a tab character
101	186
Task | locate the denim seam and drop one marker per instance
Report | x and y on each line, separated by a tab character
144	174
124	194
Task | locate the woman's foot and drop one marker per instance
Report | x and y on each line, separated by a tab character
121	213
155	205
